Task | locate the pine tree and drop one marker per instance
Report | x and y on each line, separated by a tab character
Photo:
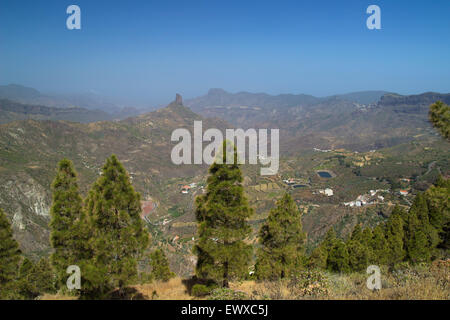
417	241
329	240
379	246
318	258
160	266
367	236
395	237
9	257
439	115
24	286
119	237
438	203
36	279
357	233
358	255
282	239
366	240
222	214
422	237
338	257
420	207
66	213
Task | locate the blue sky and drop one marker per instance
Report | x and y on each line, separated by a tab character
145	51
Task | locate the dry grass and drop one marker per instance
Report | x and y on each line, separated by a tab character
56	297
411	283
414	283
174	289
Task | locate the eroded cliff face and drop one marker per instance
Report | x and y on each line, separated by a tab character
27	203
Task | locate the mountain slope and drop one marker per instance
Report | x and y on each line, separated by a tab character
30	150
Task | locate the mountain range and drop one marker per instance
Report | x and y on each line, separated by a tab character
33	138
358	121
89	101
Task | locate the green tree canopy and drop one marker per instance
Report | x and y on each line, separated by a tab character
222	213
282	239
160	266
395	237
119	237
9	257
338	257
66	213
439	115
379	246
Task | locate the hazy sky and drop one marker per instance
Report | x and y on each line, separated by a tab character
145	51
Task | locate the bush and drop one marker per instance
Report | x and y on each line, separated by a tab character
308	283
202	290
227	294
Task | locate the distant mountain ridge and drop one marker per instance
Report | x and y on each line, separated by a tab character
90	101
13	111
339	121
426	99
220	97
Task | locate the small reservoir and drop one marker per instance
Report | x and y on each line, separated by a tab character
325	174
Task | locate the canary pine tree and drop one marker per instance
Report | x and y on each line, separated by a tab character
118	236
357	233
439	115
417	243
329	239
395	237
222	213
379	245
160	266
282	239
422	237
9	257
338	257
66	213
319	256
438	203
358	250
358	255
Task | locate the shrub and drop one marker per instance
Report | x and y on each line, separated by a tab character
308	283
202	290
227	294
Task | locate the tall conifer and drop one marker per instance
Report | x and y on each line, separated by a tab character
9	257
119	237
222	213
282	239
395	237
66	212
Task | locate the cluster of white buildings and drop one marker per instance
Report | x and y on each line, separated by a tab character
328	192
185	189
289	181
366	199
321	150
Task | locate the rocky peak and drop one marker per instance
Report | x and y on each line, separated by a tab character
178	99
